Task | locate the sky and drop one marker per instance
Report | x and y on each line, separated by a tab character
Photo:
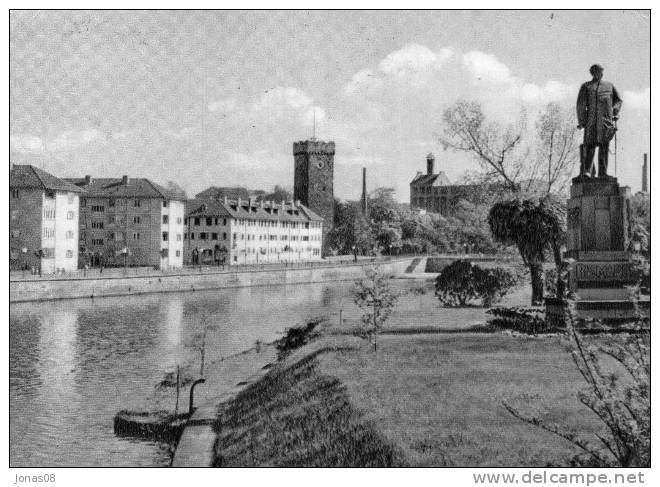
218	98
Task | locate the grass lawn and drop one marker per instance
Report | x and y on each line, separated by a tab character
423	400
439	397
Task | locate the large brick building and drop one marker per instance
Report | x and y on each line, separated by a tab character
434	192
130	221
43	224
314	178
249	232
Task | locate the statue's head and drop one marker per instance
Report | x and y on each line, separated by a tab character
596	71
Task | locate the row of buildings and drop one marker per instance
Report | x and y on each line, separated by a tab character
62	224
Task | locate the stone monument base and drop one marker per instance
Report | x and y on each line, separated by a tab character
601	269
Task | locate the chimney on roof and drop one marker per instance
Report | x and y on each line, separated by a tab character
430	161
124	180
88	179
238	201
225	198
645	175
261	203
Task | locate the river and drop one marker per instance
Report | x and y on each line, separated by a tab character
75	363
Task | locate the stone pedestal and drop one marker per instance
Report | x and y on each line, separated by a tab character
598	236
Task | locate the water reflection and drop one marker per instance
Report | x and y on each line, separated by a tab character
74	364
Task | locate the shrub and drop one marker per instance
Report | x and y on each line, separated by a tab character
462	281
295	337
521	319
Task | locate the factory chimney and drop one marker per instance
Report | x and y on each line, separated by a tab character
645	175
363	201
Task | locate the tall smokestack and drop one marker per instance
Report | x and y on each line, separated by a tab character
645	176
430	160
364	191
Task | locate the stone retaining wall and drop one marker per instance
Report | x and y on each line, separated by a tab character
31	290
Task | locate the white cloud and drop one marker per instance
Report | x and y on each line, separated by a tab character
486	67
225	105
67	140
637	100
413	64
26	143
364	81
413	59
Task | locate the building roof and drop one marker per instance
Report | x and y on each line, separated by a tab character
423	179
28	176
125	187
264	210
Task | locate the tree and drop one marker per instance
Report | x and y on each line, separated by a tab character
351	231
557	147
176	189
534	227
494	146
375	296
198	340
279	194
641	223
382	206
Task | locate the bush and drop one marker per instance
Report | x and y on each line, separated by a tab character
295	337
462	281
521	319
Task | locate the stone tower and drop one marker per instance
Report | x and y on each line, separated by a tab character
313	180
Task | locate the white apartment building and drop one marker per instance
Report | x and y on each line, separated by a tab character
234	232
43	227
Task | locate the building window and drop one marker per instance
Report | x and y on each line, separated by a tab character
164	252
98	225
224	235
98	208
202	235
196	222
178	220
136	236
224	221
69	234
216	220
178	237
166	219
165	236
70	215
137	203
209	222
136	219
83	202
111	202
69	254
15	194
97	241
178	253
214	236
164	203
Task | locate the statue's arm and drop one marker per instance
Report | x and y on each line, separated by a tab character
616	102
581	106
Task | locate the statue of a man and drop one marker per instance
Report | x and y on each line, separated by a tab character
598	106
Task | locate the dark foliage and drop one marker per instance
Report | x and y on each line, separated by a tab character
462	281
295	337
521	319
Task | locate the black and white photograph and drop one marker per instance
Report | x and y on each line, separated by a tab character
330	238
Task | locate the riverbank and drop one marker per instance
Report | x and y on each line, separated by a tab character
422	400
118	285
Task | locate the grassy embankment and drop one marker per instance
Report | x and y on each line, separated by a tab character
423	400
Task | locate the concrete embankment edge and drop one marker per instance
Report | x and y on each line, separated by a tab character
46	290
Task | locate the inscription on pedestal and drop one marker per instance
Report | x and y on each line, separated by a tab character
604	271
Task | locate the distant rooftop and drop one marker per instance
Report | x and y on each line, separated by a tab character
125	187
28	176
262	210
